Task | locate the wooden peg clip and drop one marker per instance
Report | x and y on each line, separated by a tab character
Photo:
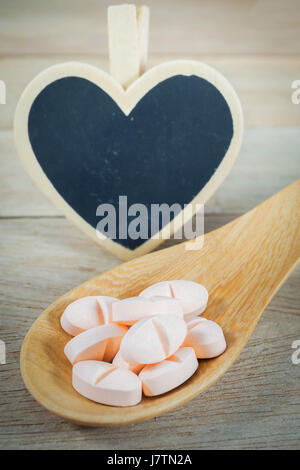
128	28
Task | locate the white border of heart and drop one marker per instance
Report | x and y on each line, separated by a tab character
126	100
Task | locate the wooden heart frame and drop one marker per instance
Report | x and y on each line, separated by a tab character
126	100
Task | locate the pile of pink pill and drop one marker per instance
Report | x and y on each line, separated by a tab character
147	344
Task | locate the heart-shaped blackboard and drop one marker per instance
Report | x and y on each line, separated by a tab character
170	138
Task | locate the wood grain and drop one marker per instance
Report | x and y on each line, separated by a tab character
263	84
242	265
206	27
255	45
255	405
128	28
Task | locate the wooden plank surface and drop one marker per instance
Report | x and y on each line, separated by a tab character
256	46
177	27
262	83
255	405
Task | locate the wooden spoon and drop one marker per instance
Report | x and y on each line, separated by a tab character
242	265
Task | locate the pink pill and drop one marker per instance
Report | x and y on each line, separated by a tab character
206	338
133	309
166	375
112	348
153	339
99	343
103	383
189	317
87	313
192	296
119	361
194	320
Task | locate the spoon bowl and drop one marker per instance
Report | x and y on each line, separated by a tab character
242	265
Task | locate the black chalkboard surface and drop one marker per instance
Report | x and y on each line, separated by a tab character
164	151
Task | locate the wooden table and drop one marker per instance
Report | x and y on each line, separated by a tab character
256	45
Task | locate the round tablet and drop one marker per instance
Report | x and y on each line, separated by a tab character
206	338
103	383
166	375
133	309
86	313
153	339
101	342
119	361
192	296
